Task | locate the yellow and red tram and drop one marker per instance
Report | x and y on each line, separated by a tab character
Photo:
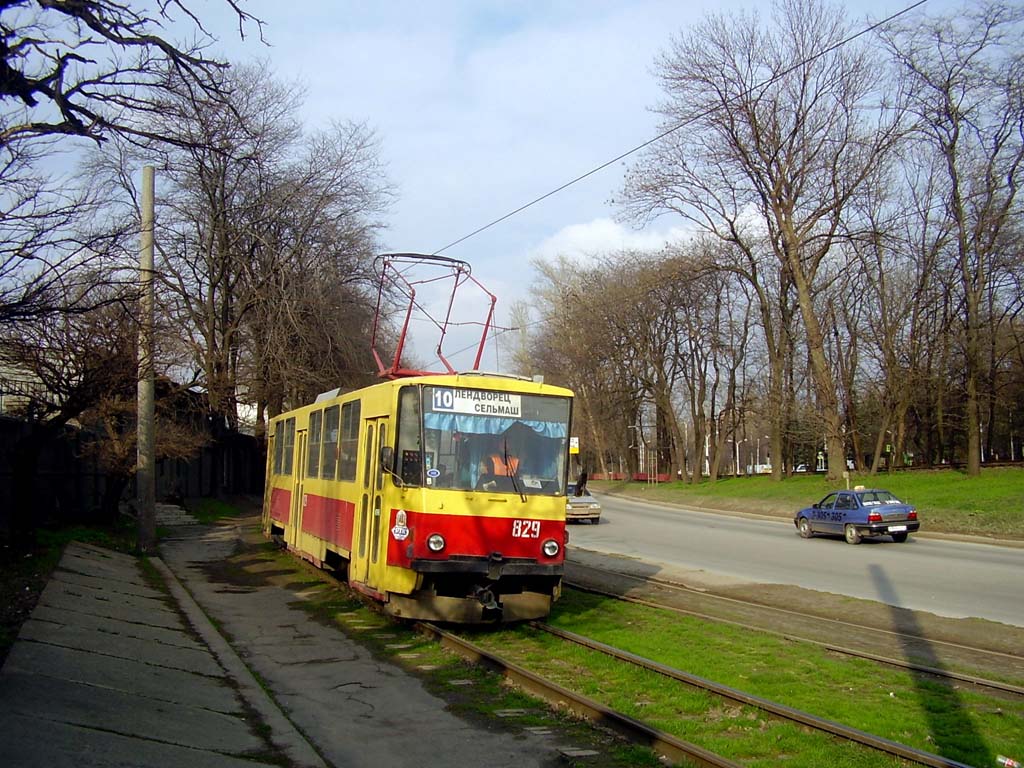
441	496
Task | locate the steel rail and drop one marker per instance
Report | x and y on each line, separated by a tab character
823	619
779	710
635	731
935	671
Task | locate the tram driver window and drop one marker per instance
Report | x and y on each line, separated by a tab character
409	451
412	467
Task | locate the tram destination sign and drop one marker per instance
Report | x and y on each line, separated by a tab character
479	402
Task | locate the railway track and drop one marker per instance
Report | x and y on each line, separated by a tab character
770	707
663	743
997	657
629	728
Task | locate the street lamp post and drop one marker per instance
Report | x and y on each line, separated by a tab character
738	443
757	469
707	453
639	445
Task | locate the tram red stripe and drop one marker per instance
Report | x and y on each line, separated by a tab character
329	519
474	536
280	505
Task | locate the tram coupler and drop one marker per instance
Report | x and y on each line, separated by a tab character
486	598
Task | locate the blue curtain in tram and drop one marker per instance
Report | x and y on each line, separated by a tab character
489	425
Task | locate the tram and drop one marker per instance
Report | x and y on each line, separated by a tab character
441	496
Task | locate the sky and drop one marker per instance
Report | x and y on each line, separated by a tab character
481	107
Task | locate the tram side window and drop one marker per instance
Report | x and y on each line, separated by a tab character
278	446
409	452
313	462
349	440
330	462
289	447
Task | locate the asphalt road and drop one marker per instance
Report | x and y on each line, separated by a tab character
949	578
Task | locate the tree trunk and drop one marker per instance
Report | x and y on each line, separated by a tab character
110	503
821	373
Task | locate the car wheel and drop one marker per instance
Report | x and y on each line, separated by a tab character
804	526
899	538
852	534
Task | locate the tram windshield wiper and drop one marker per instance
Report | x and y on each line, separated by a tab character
512	474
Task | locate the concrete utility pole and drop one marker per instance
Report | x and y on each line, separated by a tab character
145	475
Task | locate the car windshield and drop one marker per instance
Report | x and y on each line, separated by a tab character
874	498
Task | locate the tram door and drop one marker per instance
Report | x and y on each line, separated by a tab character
368	559
298	490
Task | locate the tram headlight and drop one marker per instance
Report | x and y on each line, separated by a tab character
550	548
435	542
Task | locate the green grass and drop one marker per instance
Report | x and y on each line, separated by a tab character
209	511
924	712
740	733
122	538
947	500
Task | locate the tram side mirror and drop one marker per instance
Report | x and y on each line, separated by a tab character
387	456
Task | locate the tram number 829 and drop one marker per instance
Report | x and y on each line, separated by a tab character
526	529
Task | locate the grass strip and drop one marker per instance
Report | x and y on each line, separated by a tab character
208	511
742	734
947	500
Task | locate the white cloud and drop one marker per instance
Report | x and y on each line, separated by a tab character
602	236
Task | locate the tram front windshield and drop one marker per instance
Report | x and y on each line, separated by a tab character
478	439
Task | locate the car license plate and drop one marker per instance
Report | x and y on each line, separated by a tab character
897	528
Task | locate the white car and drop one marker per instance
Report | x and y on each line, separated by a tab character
583	507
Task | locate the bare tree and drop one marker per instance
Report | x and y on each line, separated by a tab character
79	69
55	244
180	434
86	366
575	343
646	302
897	281
635	336
965	76
776	128
92	67
78	360
266	240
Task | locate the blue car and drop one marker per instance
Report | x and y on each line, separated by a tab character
858	513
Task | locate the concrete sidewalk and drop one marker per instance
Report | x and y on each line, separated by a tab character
120	665
107	672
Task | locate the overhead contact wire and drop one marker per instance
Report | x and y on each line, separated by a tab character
683	124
